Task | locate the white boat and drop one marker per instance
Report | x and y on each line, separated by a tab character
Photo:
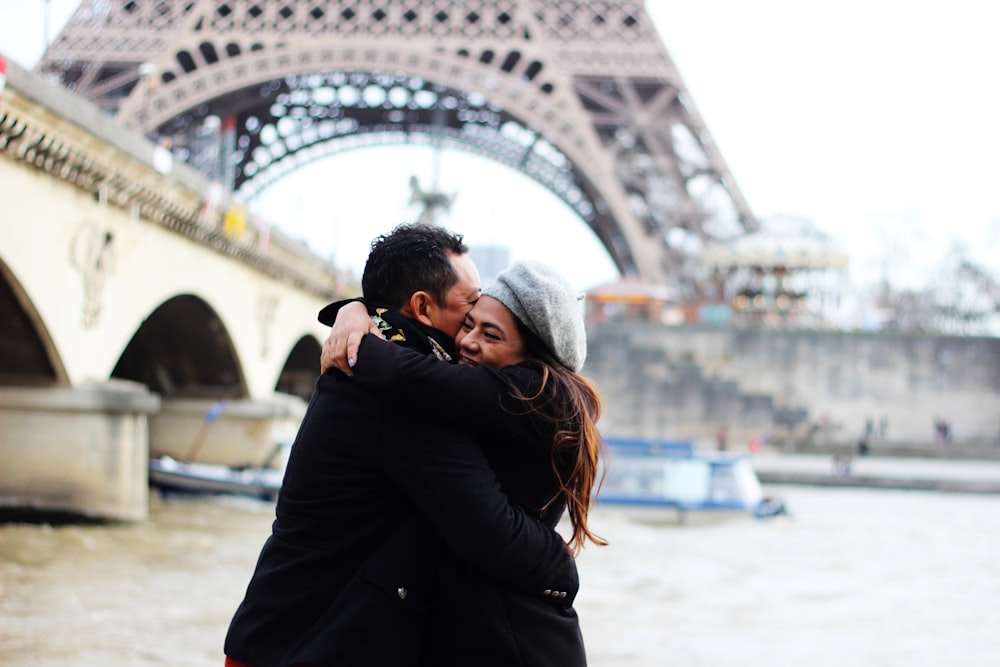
673	474
264	481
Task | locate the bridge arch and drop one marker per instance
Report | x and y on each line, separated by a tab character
298	373
28	356
183	350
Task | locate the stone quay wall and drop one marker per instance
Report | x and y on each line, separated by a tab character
804	390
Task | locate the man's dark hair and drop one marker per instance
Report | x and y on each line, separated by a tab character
411	258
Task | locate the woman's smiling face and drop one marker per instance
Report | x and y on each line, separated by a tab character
489	336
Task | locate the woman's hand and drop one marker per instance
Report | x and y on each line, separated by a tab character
340	350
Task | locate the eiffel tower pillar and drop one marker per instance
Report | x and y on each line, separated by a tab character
582	96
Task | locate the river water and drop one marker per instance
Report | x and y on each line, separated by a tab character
851	577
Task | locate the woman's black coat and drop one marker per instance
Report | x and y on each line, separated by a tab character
475	610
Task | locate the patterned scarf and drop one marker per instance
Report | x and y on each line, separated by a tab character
400	329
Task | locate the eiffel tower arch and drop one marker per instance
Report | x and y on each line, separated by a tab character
581	96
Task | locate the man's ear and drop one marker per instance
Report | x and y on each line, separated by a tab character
423	307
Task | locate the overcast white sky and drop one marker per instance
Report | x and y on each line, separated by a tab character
875	119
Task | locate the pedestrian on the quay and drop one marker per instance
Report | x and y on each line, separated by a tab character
517	388
378	496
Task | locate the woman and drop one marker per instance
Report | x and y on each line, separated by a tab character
517	388
517	384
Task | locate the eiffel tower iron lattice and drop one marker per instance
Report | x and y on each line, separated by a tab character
581	96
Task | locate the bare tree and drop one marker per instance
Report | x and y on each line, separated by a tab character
963	299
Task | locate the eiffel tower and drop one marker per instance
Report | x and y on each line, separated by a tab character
579	95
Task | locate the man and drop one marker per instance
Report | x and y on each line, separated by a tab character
376	497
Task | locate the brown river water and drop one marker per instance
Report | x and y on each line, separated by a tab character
851	577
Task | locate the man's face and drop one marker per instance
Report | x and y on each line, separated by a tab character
449	316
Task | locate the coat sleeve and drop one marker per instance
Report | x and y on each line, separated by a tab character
475	398
449	478
328	314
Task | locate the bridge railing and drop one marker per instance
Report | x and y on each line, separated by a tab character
71	139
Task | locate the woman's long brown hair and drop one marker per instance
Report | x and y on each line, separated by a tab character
572	403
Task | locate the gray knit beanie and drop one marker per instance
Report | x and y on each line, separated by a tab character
546	303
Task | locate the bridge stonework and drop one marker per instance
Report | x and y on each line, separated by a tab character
117	279
581	96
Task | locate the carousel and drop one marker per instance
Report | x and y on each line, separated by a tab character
788	274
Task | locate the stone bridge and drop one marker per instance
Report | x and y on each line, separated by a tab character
133	300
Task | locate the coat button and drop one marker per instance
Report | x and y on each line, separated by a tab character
402	593
547	592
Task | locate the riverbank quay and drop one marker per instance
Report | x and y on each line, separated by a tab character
879	472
